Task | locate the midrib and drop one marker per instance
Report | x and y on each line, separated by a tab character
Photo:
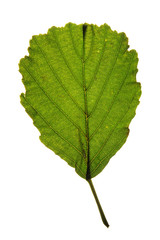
85	104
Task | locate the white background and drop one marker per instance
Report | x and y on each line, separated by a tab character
41	197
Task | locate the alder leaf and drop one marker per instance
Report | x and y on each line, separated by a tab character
81	93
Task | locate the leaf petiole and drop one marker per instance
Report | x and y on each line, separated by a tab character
104	220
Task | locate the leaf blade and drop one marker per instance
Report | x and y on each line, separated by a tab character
81	81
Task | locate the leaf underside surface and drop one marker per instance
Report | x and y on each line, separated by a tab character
81	93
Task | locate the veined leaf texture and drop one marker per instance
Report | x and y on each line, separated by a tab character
81	93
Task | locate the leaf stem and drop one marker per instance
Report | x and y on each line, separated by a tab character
104	220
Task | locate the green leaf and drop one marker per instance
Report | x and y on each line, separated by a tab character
81	93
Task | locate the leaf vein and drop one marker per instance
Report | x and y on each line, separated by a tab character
54	103
112	103
116	125
98	66
58	79
102	160
64	58
91	47
75	49
48	124
104	85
